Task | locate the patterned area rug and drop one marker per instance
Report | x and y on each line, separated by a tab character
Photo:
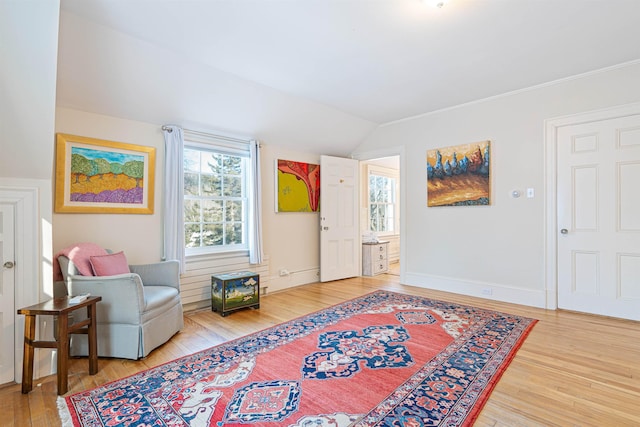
381	359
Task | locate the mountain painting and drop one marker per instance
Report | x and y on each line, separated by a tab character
99	176
106	176
459	175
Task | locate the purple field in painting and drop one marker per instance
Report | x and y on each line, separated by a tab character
133	196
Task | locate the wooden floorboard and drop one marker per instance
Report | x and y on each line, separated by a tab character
573	370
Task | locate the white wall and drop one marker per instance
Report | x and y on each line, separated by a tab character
28	48
290	239
108	72
498	247
138	235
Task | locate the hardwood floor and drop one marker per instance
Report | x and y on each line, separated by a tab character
573	370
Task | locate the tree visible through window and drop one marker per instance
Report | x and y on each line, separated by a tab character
215	201
382	200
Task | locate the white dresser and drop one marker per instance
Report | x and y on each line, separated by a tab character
375	258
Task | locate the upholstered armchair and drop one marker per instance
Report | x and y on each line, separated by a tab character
139	311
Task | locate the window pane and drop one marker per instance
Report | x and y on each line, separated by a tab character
232	165
384	195
234	234
212	235
379	189
192	235
211	185
191	211
215	200
191	160
390	218
391	189
212	211
233	211
380	182
381	217
373	223
211	163
372	188
233	186
191	184
381	203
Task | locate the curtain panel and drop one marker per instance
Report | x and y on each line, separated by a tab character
255	206
174	195
174	190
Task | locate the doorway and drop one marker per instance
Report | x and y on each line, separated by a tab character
594	227
20	207
7	289
379	220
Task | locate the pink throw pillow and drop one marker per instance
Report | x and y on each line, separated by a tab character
109	265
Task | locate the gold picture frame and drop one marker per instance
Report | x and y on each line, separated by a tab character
99	176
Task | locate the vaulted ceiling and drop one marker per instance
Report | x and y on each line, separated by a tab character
324	73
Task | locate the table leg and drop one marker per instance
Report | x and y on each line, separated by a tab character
93	339
27	359
63	353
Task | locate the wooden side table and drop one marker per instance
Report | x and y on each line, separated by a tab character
60	308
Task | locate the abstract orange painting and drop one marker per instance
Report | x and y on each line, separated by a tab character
298	186
459	175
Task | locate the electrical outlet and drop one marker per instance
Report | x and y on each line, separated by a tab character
487	291
284	272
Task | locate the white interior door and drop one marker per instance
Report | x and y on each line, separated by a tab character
599	217
7	285
339	226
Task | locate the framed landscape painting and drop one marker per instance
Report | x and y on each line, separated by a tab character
298	186
98	176
459	175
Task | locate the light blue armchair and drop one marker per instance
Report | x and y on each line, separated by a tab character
139	311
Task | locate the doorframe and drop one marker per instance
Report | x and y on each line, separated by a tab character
389	152
551	181
27	271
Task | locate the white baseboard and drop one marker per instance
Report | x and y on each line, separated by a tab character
293	279
492	291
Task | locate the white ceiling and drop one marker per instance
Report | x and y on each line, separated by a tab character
352	64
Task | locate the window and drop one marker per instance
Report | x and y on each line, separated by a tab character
216	198
382	200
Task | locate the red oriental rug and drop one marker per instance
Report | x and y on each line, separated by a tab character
381	359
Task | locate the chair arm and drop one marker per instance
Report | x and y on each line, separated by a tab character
165	273
122	296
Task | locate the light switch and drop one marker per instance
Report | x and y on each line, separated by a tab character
530	193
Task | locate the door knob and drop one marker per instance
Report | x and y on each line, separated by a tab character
564	231
8	264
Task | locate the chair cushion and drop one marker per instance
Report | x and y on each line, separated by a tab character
109	265
158	296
